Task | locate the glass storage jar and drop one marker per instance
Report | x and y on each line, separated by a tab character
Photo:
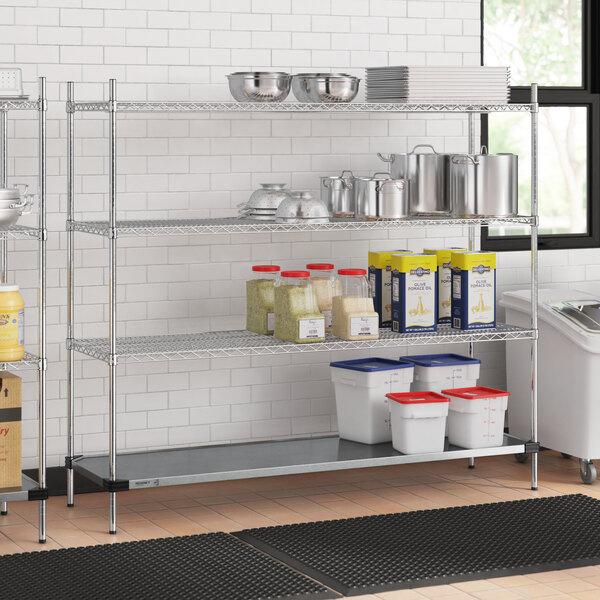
260	299
297	315
326	285
354	317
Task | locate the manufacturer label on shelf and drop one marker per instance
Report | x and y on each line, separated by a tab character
364	326
270	322
311	328
328	314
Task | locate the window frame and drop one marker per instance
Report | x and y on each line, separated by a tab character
585	96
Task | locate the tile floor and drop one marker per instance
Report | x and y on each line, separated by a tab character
233	505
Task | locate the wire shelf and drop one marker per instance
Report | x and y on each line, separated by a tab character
220	344
239	225
28	362
16	104
19	232
294	107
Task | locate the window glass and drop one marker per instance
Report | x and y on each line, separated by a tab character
562	175
541	40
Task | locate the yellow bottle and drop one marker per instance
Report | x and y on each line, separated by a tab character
12	308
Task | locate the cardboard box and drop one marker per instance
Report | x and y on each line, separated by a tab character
473	290
10	430
444	292
414	293
380	279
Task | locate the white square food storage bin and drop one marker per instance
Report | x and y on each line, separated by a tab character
360	396
436	372
476	417
418	422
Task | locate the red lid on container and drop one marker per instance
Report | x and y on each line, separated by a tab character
475	393
266	268
295	274
417	398
320	266
352	271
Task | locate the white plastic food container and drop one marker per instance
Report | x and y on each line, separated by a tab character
436	372
568	368
360	396
476	417
418	422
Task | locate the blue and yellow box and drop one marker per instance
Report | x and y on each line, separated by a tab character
473	290
444	289
380	278
414	293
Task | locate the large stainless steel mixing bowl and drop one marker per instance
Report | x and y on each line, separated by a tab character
325	87
259	86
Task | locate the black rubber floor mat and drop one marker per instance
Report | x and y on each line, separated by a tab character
433	547
198	567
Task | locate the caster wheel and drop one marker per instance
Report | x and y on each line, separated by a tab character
565	455
522	457
587	470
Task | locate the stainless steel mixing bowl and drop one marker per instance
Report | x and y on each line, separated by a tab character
325	87
301	207
259	86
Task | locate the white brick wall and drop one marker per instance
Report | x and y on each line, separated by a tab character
204	165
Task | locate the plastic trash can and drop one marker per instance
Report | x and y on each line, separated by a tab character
418	422
476	417
360	396
568	367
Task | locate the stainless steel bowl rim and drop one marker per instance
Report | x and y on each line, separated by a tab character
260	74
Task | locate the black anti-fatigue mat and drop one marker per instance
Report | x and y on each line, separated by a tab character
432	547
198	567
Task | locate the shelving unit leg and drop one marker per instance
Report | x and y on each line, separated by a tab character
112	257
42	309
3	508
4	243
70	300
534	282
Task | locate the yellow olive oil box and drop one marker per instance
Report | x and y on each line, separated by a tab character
414	293
10	430
473	290
380	279
444	288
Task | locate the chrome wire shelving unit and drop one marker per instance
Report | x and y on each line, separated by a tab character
234	461
30	489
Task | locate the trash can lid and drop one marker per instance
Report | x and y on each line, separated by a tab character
371	364
475	393
417	398
441	360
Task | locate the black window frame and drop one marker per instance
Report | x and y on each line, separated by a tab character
587	96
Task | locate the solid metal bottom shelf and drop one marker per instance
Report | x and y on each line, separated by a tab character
263	459
18	493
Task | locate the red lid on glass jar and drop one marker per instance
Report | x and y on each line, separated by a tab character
266	268
352	271
295	274
320	267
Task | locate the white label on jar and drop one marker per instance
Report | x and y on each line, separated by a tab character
21	334
270	322
364	326
328	314
311	328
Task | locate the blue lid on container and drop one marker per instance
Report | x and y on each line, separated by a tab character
441	360
371	364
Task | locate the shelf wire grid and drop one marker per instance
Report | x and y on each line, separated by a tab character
240	225
19	232
19	104
220	344
29	361
290	107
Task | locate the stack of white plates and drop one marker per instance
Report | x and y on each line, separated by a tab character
456	85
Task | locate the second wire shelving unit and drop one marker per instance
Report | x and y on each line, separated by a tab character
175	466
29	489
